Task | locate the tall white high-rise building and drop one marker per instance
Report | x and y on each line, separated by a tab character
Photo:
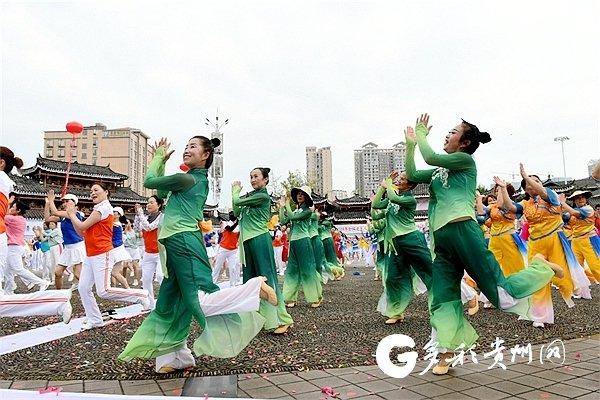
319	170
372	165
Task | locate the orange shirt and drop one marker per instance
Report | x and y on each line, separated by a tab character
6	186
150	241
584	224
98	237
503	221
230	240
544	217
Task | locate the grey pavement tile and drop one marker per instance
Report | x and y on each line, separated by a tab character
525	368
377	386
510	387
553	375
92	385
313	395
403	394
454	396
340	371
62	383
594	375
295	388
141	389
365	368
358	377
244	377
377	373
105	390
314	374
137	383
503	374
407	381
332	381
587	365
351	391
430	390
5	384
531	381
369	397
562	389
589	396
285	378
574	371
457	384
481	379
168	385
584	383
73	388
269	392
540	395
35	384
459	371
486	393
253	383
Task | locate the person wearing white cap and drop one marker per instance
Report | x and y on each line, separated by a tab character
74	249
585	241
118	253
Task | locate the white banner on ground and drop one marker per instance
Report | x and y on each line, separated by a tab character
48	333
7	394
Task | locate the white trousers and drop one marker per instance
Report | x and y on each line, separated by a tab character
3	256
151	266
49	302
233	264
51	258
278	250
15	267
96	271
237	299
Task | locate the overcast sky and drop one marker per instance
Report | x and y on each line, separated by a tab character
328	73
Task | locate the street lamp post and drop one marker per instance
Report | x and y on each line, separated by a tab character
562	139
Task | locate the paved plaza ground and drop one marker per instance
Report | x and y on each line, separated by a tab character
331	346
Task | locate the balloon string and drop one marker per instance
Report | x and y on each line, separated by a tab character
72	145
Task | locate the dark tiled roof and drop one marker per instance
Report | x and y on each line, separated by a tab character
318	199
354	200
87	170
27	186
350	216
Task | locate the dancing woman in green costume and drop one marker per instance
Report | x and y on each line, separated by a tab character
459	243
319	248
256	249
301	270
228	316
404	245
332	263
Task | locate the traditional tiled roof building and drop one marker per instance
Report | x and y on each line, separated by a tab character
47	174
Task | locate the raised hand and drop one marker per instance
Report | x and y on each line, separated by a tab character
137	207
524	174
384	183
164	143
409	134
51	196
236	184
499	182
70	208
424	120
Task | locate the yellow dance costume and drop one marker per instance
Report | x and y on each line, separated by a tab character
585	241
506	245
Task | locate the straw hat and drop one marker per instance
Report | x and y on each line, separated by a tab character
586	193
306	190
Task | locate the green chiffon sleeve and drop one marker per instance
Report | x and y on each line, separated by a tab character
379	202
414	175
155	178
402	201
455	161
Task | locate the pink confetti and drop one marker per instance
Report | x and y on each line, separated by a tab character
205	396
51	389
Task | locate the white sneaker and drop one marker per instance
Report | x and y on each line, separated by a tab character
71	276
538	324
131	274
145	302
30	286
86	325
135	282
67	312
44	285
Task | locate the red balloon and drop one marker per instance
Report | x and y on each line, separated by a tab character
74	127
184	168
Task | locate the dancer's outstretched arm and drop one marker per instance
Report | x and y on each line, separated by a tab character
454	161
379	202
414	175
155	178
402	201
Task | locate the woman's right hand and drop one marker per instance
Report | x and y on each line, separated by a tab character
499	182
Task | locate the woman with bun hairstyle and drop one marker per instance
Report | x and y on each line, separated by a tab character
301	270
256	249
458	243
228	317
149	226
46	302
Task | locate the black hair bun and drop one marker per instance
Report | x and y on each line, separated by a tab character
484	137
267	170
18	163
215	142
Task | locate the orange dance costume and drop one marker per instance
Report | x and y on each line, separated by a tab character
585	240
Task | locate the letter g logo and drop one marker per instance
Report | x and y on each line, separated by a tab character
382	356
